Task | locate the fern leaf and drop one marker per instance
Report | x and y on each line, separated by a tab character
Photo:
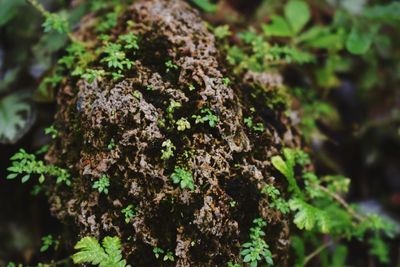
286	168
305	217
110	255
112	246
90	252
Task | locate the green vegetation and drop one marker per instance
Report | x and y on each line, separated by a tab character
206	116
15	115
183	178
128	212
257	250
26	164
320	209
257	127
47	242
168	256
108	254
170	66
168	149
102	184
276	201
52	131
182	124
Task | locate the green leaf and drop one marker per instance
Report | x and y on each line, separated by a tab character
339	256
110	255
379	248
25	178
281	166
305	217
9	8
12	176
359	40
278	27
388	13
321	37
299	250
297	13
16	117
205	5
90	252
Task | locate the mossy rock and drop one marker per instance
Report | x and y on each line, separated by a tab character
229	162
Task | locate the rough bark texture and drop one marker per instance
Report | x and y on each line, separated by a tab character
230	163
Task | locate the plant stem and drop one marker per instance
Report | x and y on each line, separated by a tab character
343	203
316	252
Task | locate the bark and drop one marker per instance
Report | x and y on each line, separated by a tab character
230	162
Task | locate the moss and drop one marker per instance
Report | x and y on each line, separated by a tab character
229	163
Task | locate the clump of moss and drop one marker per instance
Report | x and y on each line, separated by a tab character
175	60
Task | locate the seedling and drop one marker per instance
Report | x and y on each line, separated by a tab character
129	212
168	149
102	184
170	66
207	116
182	124
257	250
183	178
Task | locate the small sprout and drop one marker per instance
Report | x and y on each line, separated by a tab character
104	37
169	256
226	81
55	22
137	94
230	264
183	178
111	145
170	66
149	88
91	75
102	184
115	57
257	249
221	32
207	116
108	22
173	105
168	150
47	242
182	124
158	252
232	203
275	199
36	190
191	87
52	131
258	127
130	41
129	213
116	75
249	122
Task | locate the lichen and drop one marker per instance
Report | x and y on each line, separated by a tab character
229	162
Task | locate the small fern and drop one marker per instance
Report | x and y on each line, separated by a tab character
26	164
108	254
257	250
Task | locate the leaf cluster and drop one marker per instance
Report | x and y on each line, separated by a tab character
108	254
